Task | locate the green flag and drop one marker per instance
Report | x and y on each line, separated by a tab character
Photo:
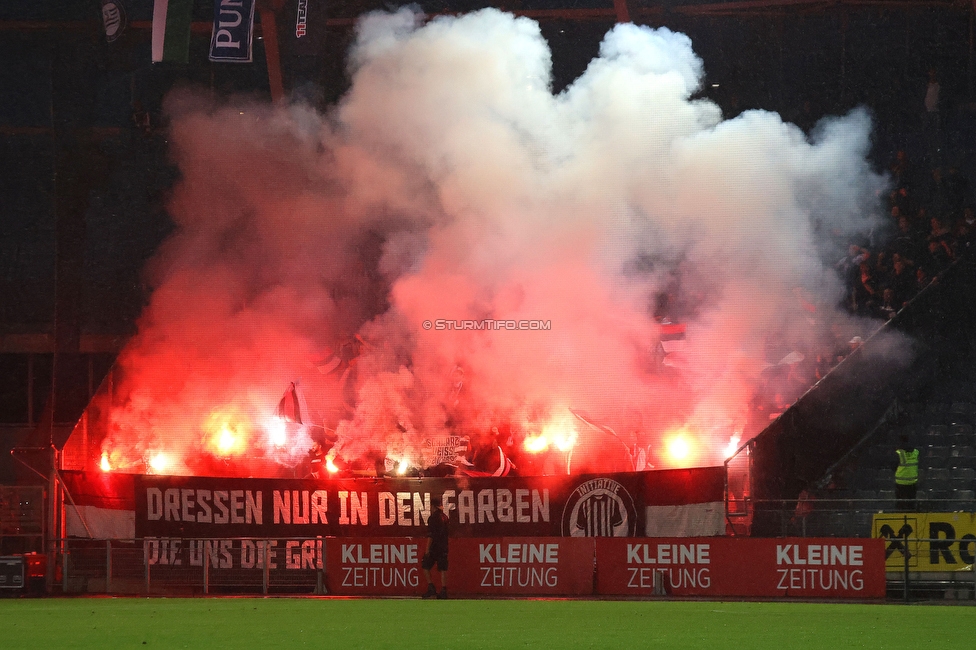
171	30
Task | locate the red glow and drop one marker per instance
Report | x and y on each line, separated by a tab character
681	449
159	462
560	432
228	432
277	432
733	446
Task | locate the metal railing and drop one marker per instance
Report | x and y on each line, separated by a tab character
192	566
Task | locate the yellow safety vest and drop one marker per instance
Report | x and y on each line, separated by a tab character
907	472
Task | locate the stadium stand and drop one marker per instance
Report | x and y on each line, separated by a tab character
932	400
947	465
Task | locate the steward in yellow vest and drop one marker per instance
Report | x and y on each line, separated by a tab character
906	476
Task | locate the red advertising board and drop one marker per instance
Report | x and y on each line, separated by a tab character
709	567
742	567
522	566
500	566
375	566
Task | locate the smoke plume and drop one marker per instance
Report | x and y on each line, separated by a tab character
450	184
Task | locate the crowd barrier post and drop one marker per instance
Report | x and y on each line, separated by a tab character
206	566
64	568
660	586
320	589
145	554
907	555
108	566
266	572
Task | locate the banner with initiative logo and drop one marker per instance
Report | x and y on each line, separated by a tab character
673	503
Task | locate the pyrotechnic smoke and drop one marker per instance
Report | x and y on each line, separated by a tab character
451	184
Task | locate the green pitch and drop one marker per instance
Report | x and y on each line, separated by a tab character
373	624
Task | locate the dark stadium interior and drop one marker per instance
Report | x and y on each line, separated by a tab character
86	173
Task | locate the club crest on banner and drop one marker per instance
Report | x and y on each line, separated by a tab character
599	507
113	19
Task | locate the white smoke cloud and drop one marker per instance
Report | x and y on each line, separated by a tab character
451	183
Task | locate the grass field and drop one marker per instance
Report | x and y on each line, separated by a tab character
374	624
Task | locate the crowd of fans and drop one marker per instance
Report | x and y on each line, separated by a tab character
930	224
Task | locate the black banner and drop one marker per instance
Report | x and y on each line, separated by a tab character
611	505
303	27
302	31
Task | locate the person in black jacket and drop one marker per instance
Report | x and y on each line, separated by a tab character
437	543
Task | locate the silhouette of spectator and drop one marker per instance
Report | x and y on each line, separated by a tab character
849	268
901	173
866	294
922	278
888	307
938	228
906	241
902	281
939	255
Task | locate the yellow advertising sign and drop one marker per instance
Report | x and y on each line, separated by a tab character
937	541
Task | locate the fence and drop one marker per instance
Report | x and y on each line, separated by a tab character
181	566
21	518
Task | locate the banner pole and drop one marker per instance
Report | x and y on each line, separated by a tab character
206	566
64	568
108	566
265	574
145	555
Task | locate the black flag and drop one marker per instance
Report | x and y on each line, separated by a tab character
302	30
